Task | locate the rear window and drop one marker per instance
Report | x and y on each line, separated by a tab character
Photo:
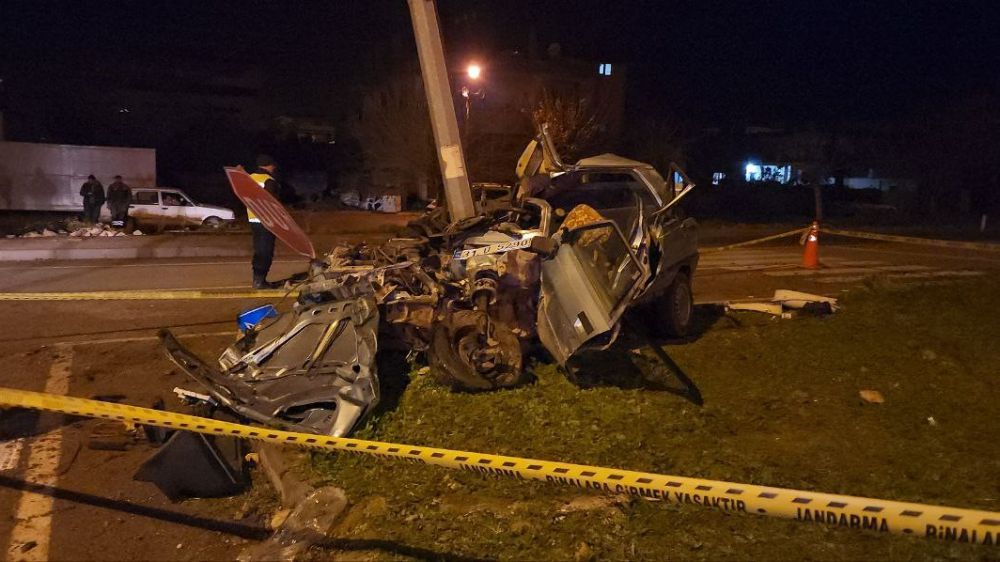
145	198
604	190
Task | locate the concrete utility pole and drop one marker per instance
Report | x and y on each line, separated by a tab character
426	29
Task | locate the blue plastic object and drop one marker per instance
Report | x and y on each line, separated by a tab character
250	318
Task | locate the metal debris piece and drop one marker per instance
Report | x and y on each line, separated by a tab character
785	300
773	308
798	300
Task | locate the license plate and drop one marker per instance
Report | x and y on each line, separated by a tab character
493	249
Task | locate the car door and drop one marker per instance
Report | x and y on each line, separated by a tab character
191	213
586	287
145	205
172	208
676	234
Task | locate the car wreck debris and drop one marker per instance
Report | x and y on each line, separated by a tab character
784	301
554	262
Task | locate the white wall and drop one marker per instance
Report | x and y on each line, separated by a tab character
47	177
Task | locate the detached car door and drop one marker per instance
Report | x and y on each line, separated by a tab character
586	287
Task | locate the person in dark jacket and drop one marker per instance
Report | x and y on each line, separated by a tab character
93	198
263	239
119	198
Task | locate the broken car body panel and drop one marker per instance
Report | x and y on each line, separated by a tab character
311	370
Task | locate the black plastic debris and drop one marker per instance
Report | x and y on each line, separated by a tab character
196	465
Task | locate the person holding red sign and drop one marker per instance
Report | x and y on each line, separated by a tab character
263	239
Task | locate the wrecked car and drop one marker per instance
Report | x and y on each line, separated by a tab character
552	264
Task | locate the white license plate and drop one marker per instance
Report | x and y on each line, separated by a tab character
493	249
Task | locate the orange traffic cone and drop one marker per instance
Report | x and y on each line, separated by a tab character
810	257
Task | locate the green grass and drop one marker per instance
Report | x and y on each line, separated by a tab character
781	409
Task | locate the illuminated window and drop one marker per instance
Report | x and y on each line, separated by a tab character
777	173
717	177
604	69
768	172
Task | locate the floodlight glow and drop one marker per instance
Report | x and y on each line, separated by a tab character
474	70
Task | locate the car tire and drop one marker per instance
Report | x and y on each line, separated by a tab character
451	369
212	222
671	313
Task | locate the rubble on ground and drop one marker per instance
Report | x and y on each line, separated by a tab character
73	228
384	203
872	396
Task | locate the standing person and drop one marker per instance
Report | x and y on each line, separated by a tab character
93	198
263	239
119	198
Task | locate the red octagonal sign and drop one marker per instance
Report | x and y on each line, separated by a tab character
271	213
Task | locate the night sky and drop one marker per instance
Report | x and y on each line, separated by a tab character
781	61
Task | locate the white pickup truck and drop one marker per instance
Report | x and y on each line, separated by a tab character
165	206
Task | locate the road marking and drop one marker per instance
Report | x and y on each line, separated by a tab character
902	276
847	270
158	264
146	338
33	519
938	256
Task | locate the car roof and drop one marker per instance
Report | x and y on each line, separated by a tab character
168	189
608	160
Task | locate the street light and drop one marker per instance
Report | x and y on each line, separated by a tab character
473	72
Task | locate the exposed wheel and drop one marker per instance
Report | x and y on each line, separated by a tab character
212	222
464	357
670	314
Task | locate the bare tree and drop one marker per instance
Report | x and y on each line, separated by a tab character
394	132
576	127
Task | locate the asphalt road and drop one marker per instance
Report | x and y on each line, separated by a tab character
743	273
88	505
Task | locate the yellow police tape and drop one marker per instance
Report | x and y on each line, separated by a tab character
754	241
935	522
991	247
147	294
